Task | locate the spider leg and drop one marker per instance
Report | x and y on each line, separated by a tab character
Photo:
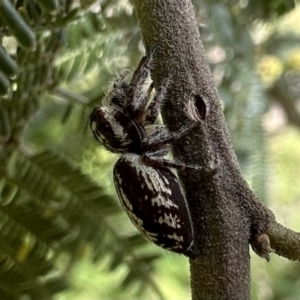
137	99
154	107
156	139
142	111
155	159
156	130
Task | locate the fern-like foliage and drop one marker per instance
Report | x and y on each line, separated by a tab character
49	207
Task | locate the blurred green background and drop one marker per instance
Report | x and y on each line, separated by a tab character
63	234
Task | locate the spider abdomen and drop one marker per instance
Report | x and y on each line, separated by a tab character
155	203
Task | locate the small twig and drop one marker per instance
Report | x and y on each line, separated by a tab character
284	241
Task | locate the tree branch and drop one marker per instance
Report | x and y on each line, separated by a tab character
226	214
284	241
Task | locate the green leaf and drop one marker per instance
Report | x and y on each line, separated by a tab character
4	84
14	21
7	65
48	5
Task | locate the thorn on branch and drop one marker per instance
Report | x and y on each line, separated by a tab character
260	244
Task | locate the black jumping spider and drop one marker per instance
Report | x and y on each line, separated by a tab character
148	189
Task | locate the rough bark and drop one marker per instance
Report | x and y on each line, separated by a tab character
226	214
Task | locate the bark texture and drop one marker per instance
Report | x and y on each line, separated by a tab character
225	212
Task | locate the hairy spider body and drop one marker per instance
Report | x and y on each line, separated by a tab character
149	191
117	132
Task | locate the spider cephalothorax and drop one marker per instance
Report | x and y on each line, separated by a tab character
149	191
124	119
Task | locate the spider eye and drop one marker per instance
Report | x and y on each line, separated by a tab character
117	101
105	127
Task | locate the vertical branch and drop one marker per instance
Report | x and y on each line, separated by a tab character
224	210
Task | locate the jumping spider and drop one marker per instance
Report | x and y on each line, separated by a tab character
149	191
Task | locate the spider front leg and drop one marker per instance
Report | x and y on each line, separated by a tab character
152	112
155	159
156	139
137	99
